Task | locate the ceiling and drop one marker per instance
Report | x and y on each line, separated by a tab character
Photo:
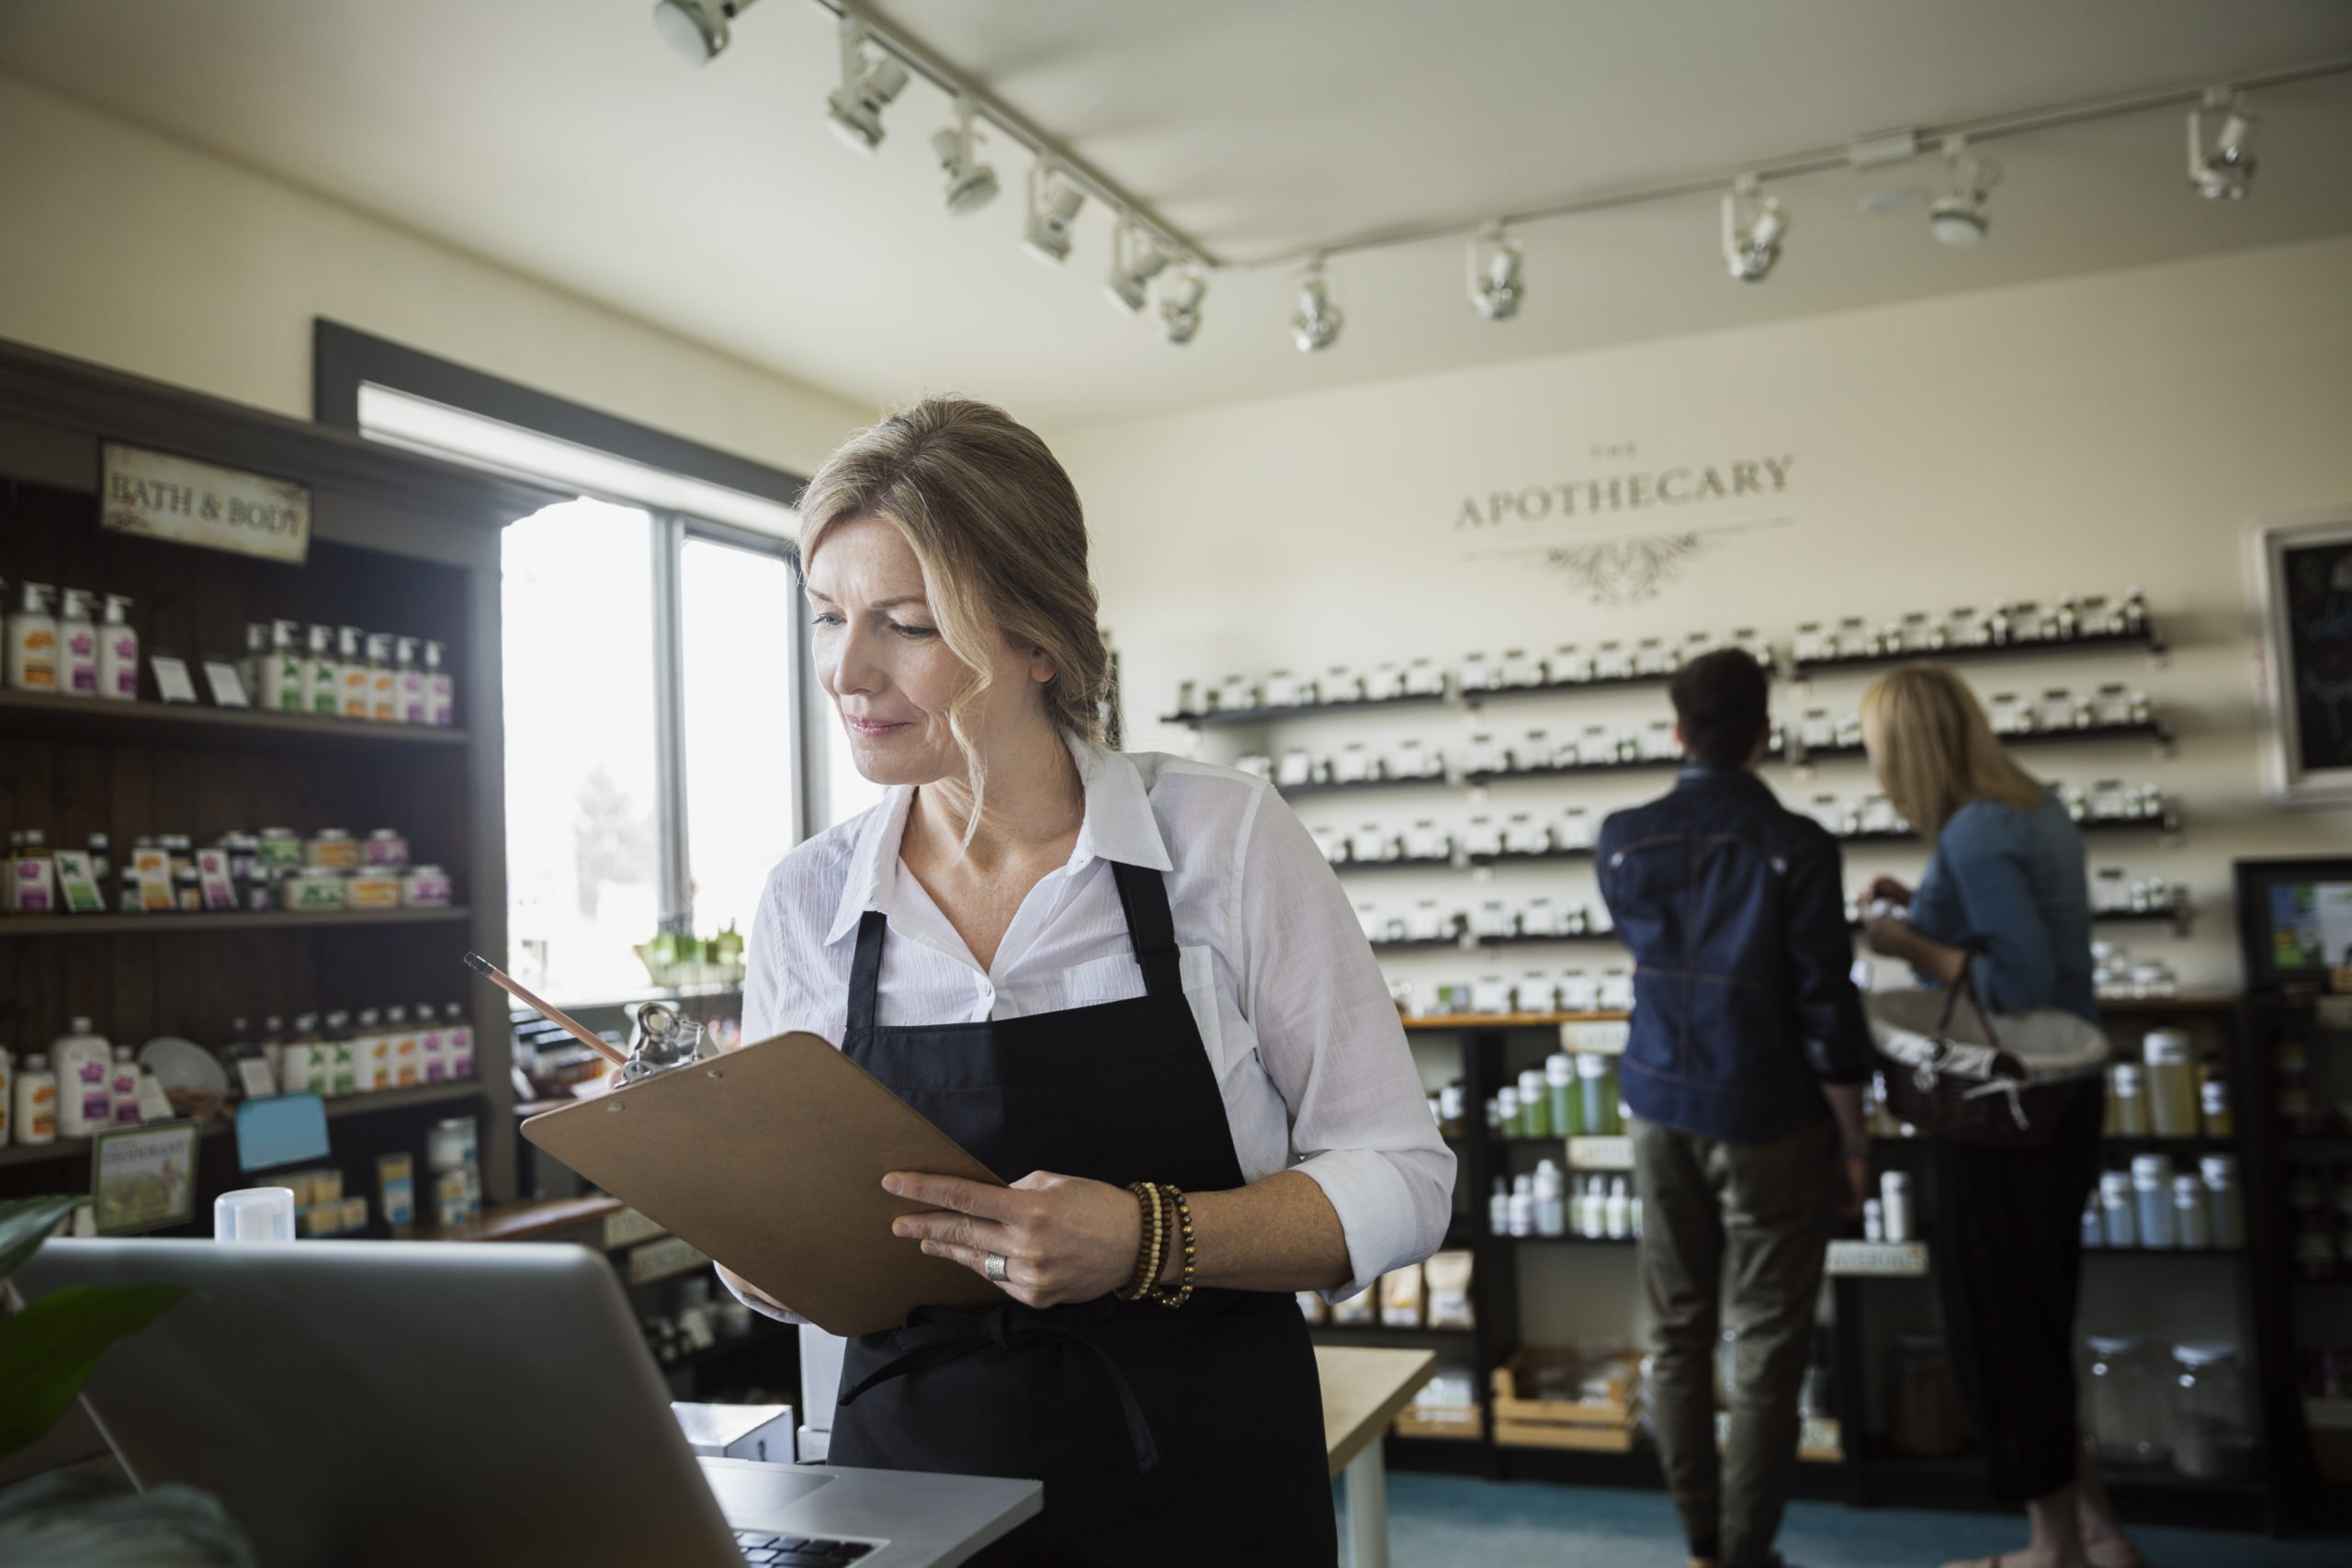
559	137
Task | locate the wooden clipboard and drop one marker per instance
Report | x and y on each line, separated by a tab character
771	1159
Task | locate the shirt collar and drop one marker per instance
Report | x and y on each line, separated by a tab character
1118	825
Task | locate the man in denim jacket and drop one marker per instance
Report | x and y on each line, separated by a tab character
1742	1073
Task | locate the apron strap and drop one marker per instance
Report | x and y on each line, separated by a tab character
865	974
1144	895
931	1341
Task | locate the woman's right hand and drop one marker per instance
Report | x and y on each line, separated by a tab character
1888	889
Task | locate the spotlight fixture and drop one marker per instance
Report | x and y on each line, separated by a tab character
1053	207
1317	323
1496	284
2225	171
698	29
868	84
1754	227
1179	305
971	185
1960	218
1135	259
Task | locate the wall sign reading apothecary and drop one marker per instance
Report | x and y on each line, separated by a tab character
189	502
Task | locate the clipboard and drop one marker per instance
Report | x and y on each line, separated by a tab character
771	1159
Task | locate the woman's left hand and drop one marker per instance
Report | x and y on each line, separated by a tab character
1888	935
1063	1238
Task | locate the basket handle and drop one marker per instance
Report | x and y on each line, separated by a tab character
1964	986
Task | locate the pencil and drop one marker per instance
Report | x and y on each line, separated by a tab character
578	1030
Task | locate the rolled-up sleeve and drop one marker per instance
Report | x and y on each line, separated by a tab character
1331	1039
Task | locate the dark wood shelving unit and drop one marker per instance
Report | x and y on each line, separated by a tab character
226	921
398	543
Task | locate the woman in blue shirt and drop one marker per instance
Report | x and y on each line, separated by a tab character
2004	901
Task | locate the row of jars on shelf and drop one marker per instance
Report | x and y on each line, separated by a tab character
2319	1209
1569	990
2060	621
2151	1206
2190	1411
1574	830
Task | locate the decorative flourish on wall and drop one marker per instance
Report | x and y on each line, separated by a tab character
1625	571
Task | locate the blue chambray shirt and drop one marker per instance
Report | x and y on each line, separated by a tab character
2014	880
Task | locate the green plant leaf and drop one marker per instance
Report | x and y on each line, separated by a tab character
49	1349
24	1223
74	1519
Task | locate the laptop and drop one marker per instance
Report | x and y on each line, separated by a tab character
360	1404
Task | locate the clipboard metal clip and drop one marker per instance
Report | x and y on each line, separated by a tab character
664	1039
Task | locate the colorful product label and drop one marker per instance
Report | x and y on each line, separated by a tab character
29	889
373	892
213	875
425	889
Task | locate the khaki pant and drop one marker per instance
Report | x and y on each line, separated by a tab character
1732	1237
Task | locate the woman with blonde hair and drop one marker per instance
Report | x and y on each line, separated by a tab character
2004	903
1130	984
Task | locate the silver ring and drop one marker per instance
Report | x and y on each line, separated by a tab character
994	1268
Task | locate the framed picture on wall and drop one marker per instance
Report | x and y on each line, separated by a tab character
2299	570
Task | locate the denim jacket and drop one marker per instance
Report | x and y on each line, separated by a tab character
2013	881
1734	910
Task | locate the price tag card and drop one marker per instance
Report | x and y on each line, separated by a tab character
1601	1154
1898	1259
172	683
1601	1038
227	686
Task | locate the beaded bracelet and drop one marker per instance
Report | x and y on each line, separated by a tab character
1184	1290
1154	1246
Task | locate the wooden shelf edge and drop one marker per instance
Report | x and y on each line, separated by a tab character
221	920
1511	1020
94	716
220	1126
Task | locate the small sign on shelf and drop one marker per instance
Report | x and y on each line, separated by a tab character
1605	1152
1883	1259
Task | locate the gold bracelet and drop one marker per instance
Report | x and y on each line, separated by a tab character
1184	1290
1153	1245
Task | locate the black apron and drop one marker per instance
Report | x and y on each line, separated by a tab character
1185	1436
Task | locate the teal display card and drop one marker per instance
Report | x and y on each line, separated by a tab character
280	1130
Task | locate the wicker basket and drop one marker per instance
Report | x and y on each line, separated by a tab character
1967	1081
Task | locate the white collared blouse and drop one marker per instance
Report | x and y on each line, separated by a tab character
1292	1011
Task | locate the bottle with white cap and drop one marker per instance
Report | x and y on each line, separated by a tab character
1551	1210
2221	1173
1499	1208
2094	1222
1614	1216
2192	1218
1522	1205
2151	1185
2116	1204
2129	1117
1894	1205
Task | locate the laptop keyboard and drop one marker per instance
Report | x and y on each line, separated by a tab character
798	1551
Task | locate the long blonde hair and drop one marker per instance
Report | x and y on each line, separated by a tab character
996	526
1934	750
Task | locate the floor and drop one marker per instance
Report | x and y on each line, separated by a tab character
1449	1521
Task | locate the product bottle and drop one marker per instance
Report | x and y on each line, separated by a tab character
285	672
1551	1210
405	1066
408	682
118	652
7	1092
77	642
2152	1188
1507	1110
1598	1080
33	642
2130	1105
458	1031
32	874
321	675
2094	1222
383	686
357	695
371	1052
1522	1205
1614	1218
1534	1104
2171	1084
1499	1208
2214	1095
1560	1083
2221	1173
2192	1220
254	661
432	1046
36	1121
84	1062
440	689
122	1087
343	1072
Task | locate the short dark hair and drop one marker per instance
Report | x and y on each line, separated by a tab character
1720	700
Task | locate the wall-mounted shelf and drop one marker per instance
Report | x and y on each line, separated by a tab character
1339	786
188	724
2146	641
221	920
220	1126
2154	730
1223	716
1472	944
1513	1020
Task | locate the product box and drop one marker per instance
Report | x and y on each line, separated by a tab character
153	868
31	890
372	890
396	1189
427	887
311	890
77	884
213	875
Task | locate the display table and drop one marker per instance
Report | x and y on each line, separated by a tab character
1362	1391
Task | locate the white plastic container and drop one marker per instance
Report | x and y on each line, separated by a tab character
1894	1205
321	674
285	672
122	1087
2192	1217
1551	1208
408	681
2152	1188
2116	1204
352	678
1616	1217
118	652
2222	1198
32	641
77	644
2171	1084
35	1101
83	1062
253	1214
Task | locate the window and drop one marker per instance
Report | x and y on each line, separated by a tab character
740	616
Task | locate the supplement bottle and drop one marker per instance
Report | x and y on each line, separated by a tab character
33	642
77	642
36	1106
322	675
118	652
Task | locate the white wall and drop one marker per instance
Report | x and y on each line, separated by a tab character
123	247
2023	443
